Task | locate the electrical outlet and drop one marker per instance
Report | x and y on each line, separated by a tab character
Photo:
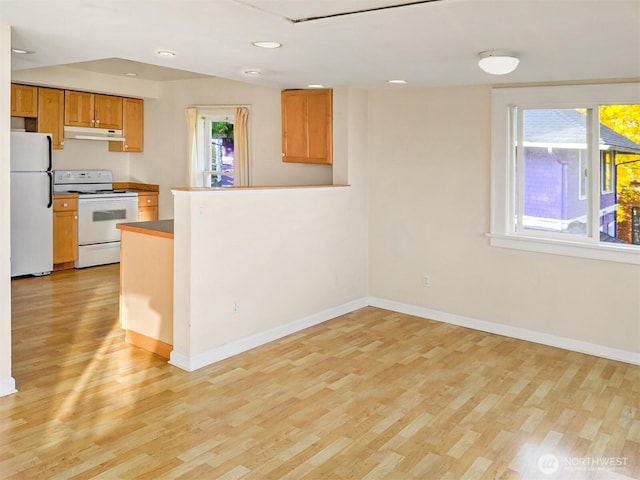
426	280
235	308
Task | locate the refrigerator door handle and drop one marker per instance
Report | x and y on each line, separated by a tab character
50	189
50	154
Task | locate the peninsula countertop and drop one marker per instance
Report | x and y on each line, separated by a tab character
158	228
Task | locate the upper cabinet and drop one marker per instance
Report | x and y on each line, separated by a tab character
49	117
24	101
132	127
48	110
307	118
83	109
51	114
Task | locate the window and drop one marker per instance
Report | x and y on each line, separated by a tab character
554	163
217	150
218	146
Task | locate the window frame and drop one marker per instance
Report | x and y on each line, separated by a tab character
503	194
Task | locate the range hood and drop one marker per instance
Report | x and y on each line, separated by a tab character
88	133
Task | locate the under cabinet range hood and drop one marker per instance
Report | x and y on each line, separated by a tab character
90	133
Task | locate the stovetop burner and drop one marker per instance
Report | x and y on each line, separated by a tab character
88	184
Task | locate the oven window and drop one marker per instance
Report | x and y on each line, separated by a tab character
108	215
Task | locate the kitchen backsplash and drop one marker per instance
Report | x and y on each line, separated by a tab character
85	154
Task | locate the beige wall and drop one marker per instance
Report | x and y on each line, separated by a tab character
7	384
279	254
165	158
429	212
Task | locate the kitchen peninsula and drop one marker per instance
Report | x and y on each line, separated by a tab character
146	285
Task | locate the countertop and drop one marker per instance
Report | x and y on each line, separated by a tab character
158	228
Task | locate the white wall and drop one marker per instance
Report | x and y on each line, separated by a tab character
165	162
281	255
84	154
429	212
7	383
84	80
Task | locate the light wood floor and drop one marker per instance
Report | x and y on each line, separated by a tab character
369	395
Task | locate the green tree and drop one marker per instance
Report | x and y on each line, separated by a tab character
625	120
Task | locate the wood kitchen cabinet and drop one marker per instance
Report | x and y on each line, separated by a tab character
132	127
51	114
65	231
307	133
24	101
147	206
83	109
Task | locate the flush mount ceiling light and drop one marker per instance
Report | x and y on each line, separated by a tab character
498	62
131	74
22	51
166	53
267	44
252	73
397	81
315	85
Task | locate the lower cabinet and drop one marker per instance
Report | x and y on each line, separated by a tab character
147	206
65	231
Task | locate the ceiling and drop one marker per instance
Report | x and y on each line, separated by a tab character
426	43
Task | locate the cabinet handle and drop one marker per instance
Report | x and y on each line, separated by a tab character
65	205
148	200
97	121
75	217
93	121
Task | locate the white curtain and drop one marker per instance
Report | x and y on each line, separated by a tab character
192	145
241	147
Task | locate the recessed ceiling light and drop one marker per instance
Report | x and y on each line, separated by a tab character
131	74
22	51
315	85
166	53
267	44
252	73
397	81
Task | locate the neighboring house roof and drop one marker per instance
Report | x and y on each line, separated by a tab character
568	126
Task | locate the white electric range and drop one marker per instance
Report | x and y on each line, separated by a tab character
100	209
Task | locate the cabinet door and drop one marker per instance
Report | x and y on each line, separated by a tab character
147	214
294	131
78	109
24	101
51	114
307	126
108	112
65	236
132	127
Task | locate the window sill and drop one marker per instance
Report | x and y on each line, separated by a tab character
600	251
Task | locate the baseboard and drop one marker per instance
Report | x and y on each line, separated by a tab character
213	355
216	354
509	331
147	343
7	386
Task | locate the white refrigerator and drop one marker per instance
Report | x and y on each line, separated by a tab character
31	204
